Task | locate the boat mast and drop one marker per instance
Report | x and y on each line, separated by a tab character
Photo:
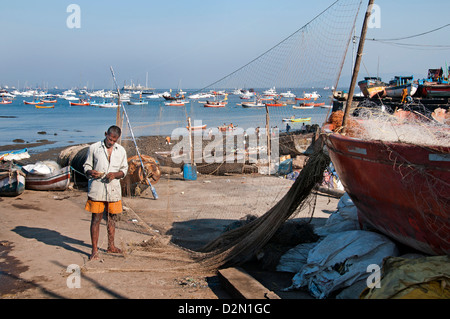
357	63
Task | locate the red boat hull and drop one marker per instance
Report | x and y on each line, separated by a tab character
213	105
399	189
79	104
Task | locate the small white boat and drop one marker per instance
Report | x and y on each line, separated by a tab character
270	92
300	107
287	94
137	102
313	95
44	177
176	103
104	104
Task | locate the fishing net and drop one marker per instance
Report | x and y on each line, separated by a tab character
400	128
239	158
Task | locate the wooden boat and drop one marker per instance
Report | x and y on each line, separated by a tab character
80	103
5	102
45	106
256	103
33	102
137	102
372	87
435	90
396	86
435	86
319	104
302	107
176	103
59	179
16	155
275	104
302	98
215	104
399	189
49	101
12	182
297	120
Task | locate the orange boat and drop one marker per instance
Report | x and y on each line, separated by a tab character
49	101
319	104
5	102
80	103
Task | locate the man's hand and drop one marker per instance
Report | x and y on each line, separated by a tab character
111	176
95	174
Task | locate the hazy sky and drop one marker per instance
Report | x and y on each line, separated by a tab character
192	43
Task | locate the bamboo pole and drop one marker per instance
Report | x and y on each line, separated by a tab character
357	64
268	137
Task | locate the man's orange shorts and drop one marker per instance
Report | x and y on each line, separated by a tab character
100	207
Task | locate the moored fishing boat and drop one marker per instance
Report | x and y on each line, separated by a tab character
276	104
54	179
49	101
12	182
140	102
409	200
303	106
33	102
176	103
435	90
395	87
45	106
5	101
253	104
80	103
372	87
215	104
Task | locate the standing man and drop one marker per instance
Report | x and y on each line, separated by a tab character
105	165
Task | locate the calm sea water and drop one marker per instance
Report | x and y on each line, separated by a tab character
66	125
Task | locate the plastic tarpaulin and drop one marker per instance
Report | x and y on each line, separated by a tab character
341	259
420	278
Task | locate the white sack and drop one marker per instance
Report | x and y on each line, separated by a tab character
341	259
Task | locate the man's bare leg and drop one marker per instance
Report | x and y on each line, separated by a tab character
111	227
95	230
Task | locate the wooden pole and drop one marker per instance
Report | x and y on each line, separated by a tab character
357	64
190	141
268	137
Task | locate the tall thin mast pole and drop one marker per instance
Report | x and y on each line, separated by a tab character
357	63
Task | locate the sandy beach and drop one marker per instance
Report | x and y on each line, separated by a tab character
44	232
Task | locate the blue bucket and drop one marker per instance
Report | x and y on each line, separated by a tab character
190	172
